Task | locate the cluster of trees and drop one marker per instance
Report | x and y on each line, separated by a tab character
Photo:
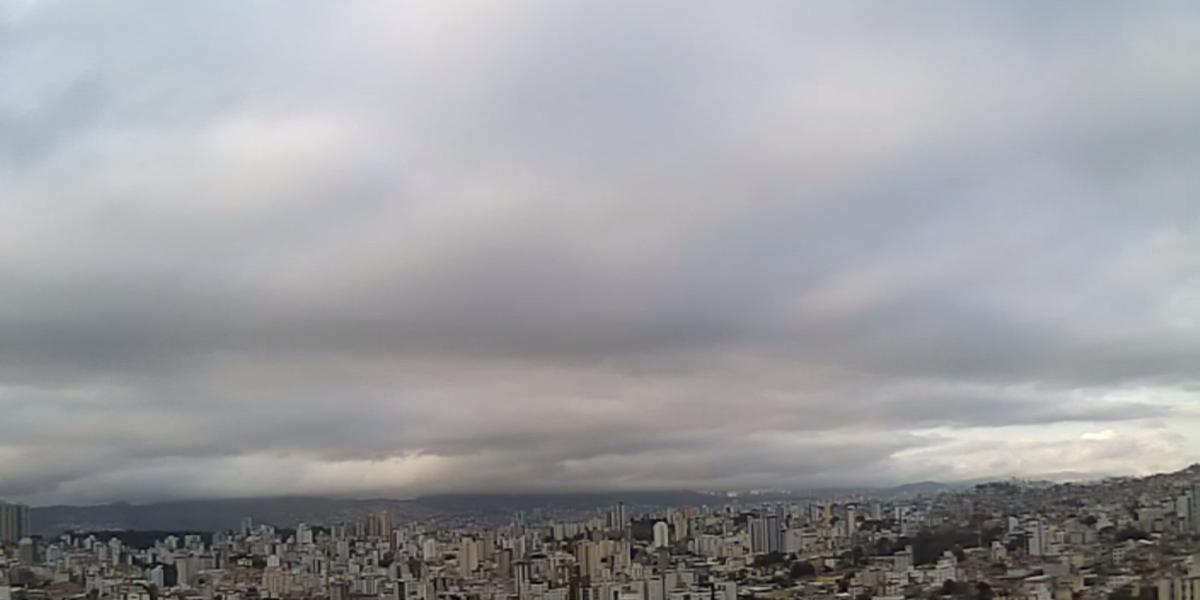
1127	593
930	544
969	591
1131	533
790	566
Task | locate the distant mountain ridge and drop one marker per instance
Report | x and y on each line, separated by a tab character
213	515
510	503
287	511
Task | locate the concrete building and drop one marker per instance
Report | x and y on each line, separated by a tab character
662	534
765	534
14	522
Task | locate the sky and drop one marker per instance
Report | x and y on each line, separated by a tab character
401	248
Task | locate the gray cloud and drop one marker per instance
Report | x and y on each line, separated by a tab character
379	249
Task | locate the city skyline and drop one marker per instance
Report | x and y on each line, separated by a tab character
522	493
1118	538
394	249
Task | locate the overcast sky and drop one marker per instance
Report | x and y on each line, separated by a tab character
392	248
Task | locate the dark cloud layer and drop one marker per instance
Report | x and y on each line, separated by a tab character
330	248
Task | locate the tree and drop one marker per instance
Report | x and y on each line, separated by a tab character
951	588
1131	533
984	591
802	568
768	559
1123	593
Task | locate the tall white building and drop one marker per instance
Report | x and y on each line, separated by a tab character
304	534
1037	538
429	549
618	518
662	534
157	577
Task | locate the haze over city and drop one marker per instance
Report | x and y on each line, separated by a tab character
392	249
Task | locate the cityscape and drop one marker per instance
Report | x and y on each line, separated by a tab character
1118	538
599	300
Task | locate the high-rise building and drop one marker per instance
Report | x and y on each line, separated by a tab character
590	558
187	567
429	548
618	519
386	524
765	534
677	519
304	534
662	534
14	522
523	575
27	553
1037	538
902	561
851	527
158	577
468	556
274	582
